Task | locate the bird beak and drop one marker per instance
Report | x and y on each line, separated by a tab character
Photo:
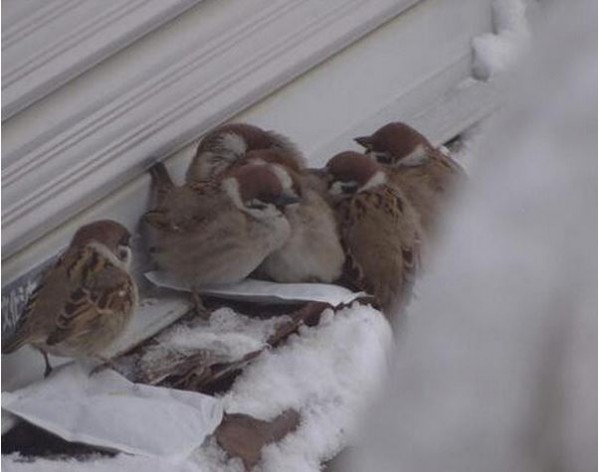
285	200
364	141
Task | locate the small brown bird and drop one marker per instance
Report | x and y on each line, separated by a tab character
426	176
85	301
380	230
229	143
313	253
220	231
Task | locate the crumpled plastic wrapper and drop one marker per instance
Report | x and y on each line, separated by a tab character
108	411
262	291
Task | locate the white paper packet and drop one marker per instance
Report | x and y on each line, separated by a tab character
262	291
109	411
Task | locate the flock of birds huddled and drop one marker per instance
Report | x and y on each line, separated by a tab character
251	206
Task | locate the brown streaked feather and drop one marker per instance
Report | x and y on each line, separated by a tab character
98	289
429	186
184	208
214	157
386	265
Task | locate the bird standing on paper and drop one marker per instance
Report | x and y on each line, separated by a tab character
218	232
85	301
313	252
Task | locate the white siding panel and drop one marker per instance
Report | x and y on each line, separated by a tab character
47	43
376	80
61	156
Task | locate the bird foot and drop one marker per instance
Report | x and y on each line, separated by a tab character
104	364
199	307
48	367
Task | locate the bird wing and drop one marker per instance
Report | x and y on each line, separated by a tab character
186	208
407	221
382	243
98	289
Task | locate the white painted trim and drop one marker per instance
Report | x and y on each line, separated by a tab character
60	39
76	163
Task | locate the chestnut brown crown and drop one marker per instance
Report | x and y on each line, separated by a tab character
107	232
397	140
350	166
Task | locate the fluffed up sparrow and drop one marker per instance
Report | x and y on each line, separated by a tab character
313	252
380	230
218	232
85	301
426	175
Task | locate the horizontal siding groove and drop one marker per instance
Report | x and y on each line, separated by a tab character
121	104
40	18
37	60
67	43
106	146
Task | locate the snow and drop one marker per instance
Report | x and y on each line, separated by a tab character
121	463
496	52
470	141
227	335
328	373
497	368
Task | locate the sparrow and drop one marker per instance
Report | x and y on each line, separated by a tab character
380	230
218	232
426	175
84	301
313	252
229	143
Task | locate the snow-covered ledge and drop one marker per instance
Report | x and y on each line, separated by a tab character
45	43
220	58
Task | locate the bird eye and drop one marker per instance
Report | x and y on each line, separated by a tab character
339	187
384	158
124	253
256	204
